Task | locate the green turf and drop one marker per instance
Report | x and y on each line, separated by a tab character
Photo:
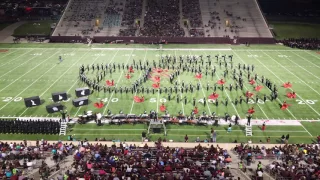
34	70
285	30
36	27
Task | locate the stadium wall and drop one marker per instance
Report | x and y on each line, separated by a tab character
171	40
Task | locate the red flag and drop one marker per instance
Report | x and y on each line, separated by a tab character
213	96
251	110
221	81
291	95
138	99
162	108
131	69
156	85
287	85
110	83
128	76
252	82
198	76
195	111
258	88
98	105
249	94
285	106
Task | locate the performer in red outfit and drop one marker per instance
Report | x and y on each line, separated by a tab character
263	126
213	96
287	85
285	105
252	82
221	81
251	110
249	94
195	110
162	107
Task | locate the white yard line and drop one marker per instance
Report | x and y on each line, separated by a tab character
175	54
308	52
303	67
117	83
270	90
204	95
28	87
93	63
306	59
272	73
6	54
144	59
256	103
291	89
306	130
291	73
62	75
13	58
227	94
18	66
158	99
28	71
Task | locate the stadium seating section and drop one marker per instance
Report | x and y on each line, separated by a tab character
160	18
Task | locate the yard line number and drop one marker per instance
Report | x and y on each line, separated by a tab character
306	101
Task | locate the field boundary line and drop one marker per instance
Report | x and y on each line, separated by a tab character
190	130
291	73
306	59
192	135
135	93
30	70
91	64
13	58
18	65
57	80
268	70
306	129
109	100
27	87
6	54
301	66
167	49
308	52
290	88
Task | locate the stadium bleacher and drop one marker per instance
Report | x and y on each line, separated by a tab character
149	18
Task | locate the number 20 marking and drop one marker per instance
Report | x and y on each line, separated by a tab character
306	101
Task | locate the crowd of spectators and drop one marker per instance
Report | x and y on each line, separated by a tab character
302	43
130	162
299	161
191	11
291	161
19	159
162	18
132	11
127	32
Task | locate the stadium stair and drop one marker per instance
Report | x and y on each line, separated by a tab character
248	130
63	128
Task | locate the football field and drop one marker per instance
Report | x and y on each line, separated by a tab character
35	70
